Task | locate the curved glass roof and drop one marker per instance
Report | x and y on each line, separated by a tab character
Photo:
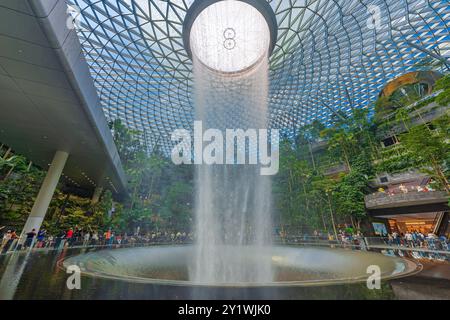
330	55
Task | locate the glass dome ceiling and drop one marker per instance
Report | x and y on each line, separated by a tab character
331	55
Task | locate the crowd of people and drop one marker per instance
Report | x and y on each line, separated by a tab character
405	189
8	239
349	238
78	237
346	237
417	239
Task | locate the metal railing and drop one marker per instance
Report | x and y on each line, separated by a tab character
426	244
410	190
80	243
354	242
430	248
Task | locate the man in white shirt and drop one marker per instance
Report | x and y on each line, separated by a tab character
409	239
6	238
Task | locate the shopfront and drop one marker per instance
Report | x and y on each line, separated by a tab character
422	222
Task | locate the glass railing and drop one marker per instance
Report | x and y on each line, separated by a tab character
58	244
431	249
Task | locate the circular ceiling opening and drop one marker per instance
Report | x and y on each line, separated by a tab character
229	36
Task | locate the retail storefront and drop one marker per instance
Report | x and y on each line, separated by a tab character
419	222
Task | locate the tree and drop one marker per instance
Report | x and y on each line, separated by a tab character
430	149
160	193
402	117
349	194
285	189
323	188
340	144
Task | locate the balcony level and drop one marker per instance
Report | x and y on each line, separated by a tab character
382	203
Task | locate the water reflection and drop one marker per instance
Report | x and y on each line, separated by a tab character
36	275
15	265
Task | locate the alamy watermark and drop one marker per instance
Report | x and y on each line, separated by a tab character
374	280
251	147
375	19
74	280
73	20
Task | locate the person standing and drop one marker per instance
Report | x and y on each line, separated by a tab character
107	236
94	239
110	241
403	188
59	239
431	237
49	242
11	240
119	239
421	239
40	238
390	239
86	238
77	235
69	237
409	239
6	238
396	238
29	240
414	238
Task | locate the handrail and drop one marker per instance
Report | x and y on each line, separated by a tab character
412	191
425	245
429	97
81	244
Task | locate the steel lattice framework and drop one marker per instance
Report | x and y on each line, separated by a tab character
330	55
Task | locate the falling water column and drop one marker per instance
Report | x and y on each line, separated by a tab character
229	43
233	215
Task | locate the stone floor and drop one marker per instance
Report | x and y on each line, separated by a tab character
432	283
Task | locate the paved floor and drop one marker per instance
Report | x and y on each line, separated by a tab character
433	282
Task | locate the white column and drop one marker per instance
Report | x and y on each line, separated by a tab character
96	196
45	194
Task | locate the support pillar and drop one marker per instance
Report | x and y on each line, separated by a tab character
96	196
6	153
45	194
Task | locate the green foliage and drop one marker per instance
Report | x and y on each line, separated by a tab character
309	133
176	207
127	143
430	148
349	195
443	83
160	192
17	190
396	164
292	187
16	162
403	98
408	94
305	196
383	107
402	117
351	136
340	143
443	99
425	102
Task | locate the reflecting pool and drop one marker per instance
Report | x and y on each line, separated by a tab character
161	272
